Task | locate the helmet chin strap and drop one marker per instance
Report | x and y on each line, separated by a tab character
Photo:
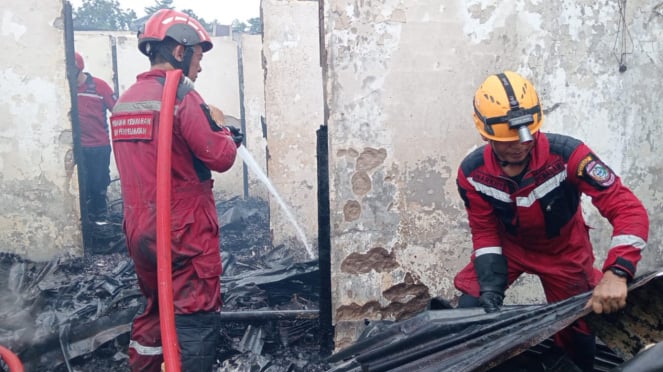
184	64
186	61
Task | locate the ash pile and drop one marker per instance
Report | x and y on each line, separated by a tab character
74	314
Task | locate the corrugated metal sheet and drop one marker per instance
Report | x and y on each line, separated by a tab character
471	340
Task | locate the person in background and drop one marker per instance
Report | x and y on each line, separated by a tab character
522	192
200	144
95	98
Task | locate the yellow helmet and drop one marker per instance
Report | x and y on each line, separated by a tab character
506	108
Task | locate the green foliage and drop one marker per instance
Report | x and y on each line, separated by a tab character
238	26
103	15
255	26
158	5
107	15
192	14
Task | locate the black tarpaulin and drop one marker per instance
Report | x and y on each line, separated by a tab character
471	340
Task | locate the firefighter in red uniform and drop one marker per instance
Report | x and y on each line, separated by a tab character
522	192
95	97
200	144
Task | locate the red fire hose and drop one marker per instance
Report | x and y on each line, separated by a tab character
171	353
11	360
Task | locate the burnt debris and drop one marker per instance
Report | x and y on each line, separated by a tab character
518	338
75	313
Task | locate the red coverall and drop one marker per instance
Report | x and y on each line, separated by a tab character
537	224
198	146
95	97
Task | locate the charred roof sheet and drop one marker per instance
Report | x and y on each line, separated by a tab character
471	340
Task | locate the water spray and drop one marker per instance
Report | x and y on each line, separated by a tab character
251	163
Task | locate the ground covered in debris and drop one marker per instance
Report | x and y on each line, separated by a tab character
74	314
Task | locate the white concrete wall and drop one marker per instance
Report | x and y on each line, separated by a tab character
38	187
294	112
400	76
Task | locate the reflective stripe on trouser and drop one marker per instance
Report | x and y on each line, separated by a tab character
145	353
145	350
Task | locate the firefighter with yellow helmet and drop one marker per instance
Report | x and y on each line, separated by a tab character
522	193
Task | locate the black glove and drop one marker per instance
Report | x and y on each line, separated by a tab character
237	134
492	272
491	301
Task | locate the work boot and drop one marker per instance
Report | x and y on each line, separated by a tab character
198	335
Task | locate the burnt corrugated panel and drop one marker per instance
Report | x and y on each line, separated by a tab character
470	340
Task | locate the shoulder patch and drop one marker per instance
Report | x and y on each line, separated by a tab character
132	127
594	171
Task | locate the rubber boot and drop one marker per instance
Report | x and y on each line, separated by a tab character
198	335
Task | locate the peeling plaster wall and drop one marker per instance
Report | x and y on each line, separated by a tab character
399	78
294	112
38	187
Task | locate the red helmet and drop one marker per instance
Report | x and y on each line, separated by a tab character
80	64
176	25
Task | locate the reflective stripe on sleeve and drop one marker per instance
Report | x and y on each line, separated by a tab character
145	350
632	240
90	95
487	250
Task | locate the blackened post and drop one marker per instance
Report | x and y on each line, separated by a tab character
324	244
242	113
116	79
72	75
